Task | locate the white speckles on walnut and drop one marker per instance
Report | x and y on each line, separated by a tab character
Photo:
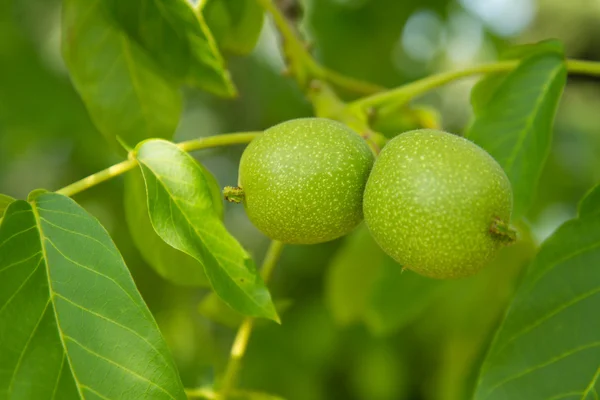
430	201
303	180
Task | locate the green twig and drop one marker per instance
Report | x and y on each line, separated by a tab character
346	82
302	66
209	394
582	67
98	177
403	94
124	166
201	393
240	343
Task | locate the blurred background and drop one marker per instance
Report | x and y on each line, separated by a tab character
410	337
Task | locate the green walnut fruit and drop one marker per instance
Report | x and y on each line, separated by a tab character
302	181
438	204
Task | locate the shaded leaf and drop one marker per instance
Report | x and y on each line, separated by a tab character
236	24
72	323
122	88
177	37
170	263
515	127
549	343
364	284
590	204
462	321
4	203
213	308
182	213
398	297
350	276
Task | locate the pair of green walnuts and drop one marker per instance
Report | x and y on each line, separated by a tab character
435	202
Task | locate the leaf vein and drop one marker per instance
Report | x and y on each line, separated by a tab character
60	369
27	343
591	386
79	234
116	364
113	322
551	314
14	235
92	270
14	264
532	116
542	365
21	286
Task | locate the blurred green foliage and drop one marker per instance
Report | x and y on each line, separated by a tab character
47	140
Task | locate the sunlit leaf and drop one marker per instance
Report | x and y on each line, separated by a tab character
182	213
485	89
177	37
515	126
236	24
72	323
170	263
548	346
124	91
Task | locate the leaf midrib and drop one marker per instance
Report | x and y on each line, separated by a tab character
533	115
53	295
42	237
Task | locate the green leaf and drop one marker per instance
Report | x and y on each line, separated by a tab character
236	24
590	204
515	126
398	297
123	90
548	346
213	308
351	275
364	284
529	49
72	322
182	213
170	263
4	203
177	37
485	89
